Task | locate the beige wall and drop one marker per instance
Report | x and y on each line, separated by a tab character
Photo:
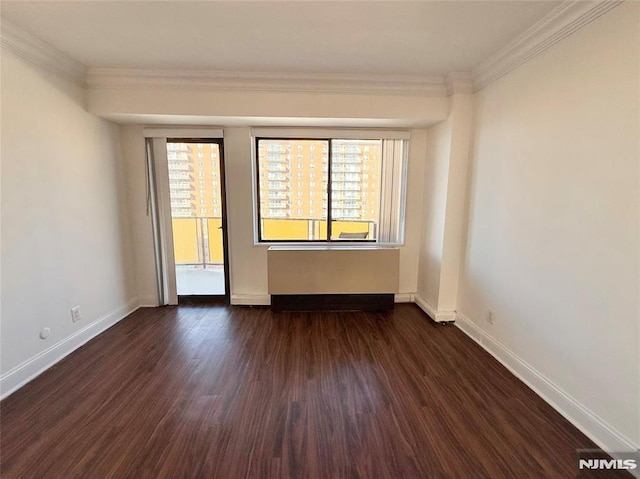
65	234
553	244
333	271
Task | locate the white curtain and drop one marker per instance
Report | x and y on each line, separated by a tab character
393	191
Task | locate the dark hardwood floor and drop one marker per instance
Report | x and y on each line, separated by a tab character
235	392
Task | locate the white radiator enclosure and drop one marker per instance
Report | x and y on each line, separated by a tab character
333	269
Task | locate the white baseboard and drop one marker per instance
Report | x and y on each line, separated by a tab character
17	377
150	301
439	316
404	298
251	299
594	427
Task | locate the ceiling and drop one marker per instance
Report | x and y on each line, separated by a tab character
342	37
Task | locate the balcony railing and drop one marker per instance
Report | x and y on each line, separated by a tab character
197	241
278	228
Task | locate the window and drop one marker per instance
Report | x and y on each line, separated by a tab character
345	214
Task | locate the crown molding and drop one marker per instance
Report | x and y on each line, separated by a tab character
34	50
459	82
126	78
567	18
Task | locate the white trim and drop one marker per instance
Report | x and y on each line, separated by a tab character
39	53
438	316
182	132
17	377
593	426
331	133
567	18
326	247
404	297
250	299
150	301
137	78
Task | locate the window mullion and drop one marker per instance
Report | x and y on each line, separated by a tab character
329	162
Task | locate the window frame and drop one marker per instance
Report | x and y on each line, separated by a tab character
316	242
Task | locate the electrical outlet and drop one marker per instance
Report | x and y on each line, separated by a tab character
490	317
75	314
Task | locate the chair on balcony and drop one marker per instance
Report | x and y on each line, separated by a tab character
362	235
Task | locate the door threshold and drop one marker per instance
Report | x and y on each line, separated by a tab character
202	299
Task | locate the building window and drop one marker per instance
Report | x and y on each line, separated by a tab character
343	185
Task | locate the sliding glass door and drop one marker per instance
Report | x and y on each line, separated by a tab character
196	190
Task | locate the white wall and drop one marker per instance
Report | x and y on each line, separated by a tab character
65	237
443	218
454	224
248	262
434	209
553	231
258	108
133	148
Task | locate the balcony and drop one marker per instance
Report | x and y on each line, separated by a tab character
180	204
345	177
346	169
181	194
345	195
277	168
179	166
277	176
179	184
283	228
278	185
346	186
198	253
347	160
278	195
278	205
180	175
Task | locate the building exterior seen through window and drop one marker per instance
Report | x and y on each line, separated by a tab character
195	192
295	189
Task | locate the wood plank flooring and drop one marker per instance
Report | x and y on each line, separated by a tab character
235	392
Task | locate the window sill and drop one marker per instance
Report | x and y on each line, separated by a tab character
325	246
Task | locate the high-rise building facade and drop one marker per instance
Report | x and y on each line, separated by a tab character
194	180
293	183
